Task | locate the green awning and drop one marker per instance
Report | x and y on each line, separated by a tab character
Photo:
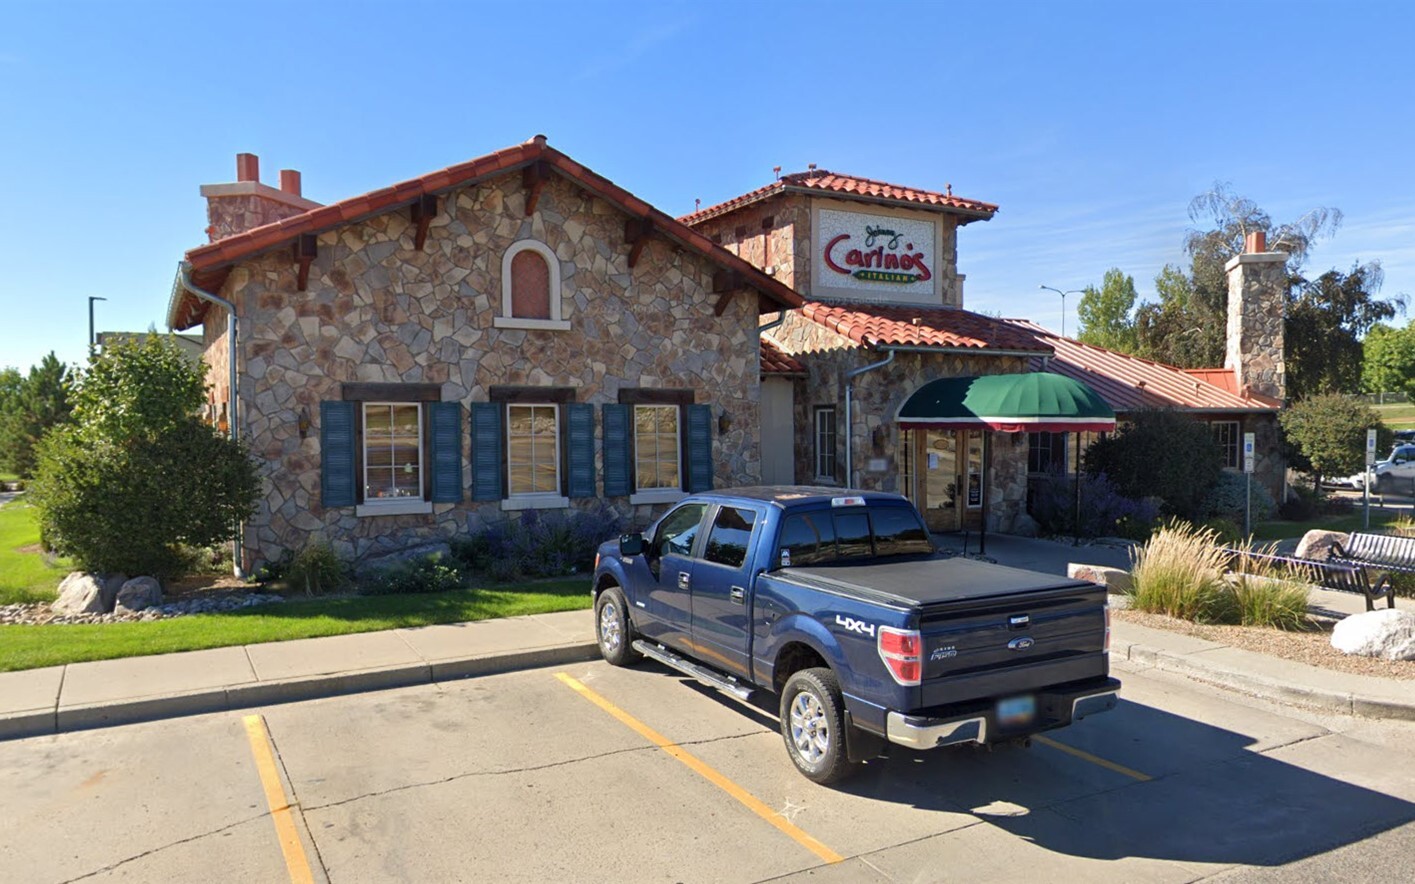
1037	401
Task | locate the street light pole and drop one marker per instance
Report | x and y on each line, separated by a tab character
92	341
1063	302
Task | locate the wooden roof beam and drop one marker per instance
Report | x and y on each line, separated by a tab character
636	233
424	210
534	178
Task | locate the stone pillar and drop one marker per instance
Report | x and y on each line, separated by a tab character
1257	307
246	203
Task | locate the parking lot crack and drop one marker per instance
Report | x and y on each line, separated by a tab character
177	843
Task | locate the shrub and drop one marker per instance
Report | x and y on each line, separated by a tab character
1225	531
1105	512
1301	505
1273	602
1179	573
316	569
1328	433
431	573
538	544
1162	454
1228	496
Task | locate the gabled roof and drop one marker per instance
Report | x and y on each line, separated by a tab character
822	182
942	328
210	263
778	362
1130	383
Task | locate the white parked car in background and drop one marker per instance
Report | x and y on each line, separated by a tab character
1394	474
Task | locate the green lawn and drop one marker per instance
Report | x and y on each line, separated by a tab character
24	576
1398	416
8	477
28	647
1278	529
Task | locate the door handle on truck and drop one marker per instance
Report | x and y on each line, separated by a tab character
739	595
682	579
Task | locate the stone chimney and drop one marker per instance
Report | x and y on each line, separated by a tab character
1257	308
236	208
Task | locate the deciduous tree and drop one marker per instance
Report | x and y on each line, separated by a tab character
1105	312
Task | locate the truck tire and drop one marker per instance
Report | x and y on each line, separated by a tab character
813	725
613	630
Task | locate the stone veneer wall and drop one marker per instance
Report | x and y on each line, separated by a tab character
783	249
217	357
237	213
1257	305
877	397
377	310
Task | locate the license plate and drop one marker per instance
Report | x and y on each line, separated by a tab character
1016	711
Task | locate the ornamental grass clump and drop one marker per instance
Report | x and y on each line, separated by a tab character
1179	573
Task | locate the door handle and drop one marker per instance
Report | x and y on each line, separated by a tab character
739	595
682	579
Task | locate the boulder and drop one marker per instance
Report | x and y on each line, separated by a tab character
138	594
82	593
112	583
1117	580
1388	633
1025	526
1316	545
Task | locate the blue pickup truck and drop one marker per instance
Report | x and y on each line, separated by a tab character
838	603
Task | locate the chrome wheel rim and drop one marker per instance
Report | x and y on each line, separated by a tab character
810	731
610	635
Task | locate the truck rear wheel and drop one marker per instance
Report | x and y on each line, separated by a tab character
613	630
813	725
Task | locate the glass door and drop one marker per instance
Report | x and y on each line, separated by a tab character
937	464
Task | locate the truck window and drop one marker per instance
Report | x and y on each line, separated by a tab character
731	532
898	532
806	539
679	530
852	535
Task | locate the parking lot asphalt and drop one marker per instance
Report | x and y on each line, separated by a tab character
590	773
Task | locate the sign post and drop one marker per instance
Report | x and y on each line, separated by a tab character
1248	464
1370	461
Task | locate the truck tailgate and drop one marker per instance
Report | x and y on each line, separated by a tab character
1013	644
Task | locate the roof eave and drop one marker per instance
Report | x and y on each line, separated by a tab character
971	214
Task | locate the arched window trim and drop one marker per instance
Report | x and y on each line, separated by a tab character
506	319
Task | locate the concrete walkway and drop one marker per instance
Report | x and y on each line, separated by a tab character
111	692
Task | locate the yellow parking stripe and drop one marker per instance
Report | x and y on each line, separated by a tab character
1094	759
290	845
702	769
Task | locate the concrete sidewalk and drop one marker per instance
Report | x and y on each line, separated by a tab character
112	692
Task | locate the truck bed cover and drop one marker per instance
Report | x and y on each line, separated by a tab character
925	580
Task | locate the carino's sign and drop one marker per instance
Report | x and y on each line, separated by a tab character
874	252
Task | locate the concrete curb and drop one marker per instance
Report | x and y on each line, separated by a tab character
1378	699
64	719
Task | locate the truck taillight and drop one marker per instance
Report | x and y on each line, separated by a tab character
1106	648
596	562
900	649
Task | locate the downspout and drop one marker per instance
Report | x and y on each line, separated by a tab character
849	417
184	277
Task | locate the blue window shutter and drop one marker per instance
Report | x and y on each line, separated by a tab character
487	439
699	448
617	450
446	421
336	453
579	437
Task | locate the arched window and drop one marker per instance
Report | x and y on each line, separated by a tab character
530	288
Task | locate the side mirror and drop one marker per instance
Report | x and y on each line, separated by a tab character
631	545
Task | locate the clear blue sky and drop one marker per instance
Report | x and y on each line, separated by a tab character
1091	124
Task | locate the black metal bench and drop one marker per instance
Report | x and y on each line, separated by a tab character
1342	576
1384	553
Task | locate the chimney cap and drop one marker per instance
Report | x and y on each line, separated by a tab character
247	167
1255	242
290	181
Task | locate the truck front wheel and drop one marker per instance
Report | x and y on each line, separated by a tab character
613	629
813	725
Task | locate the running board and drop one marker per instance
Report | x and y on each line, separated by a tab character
713	679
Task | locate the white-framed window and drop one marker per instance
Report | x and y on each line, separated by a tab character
530	288
825	435
1230	442
658	456
392	454
533	457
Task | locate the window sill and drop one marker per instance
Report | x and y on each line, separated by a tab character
535	503
657	495
828	481
394	508
530	324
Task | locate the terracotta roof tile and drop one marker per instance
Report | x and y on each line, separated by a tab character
777	361
213	260
850	186
1129	383
942	327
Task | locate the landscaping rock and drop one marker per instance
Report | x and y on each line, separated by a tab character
112	585
82	593
1388	634
1316	545
1025	526
1117	580
138	594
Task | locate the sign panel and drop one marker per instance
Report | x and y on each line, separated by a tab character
882	255
1370	447
1248	458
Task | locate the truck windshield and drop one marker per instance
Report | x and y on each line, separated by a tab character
833	535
